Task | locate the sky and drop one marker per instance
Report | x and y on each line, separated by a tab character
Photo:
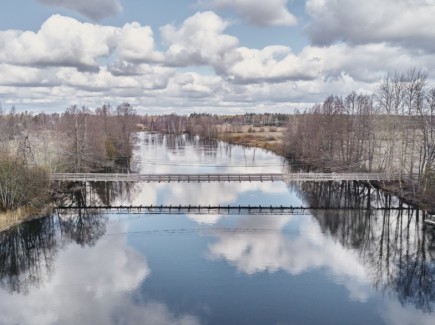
211	56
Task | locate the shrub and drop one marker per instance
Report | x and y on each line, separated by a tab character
21	185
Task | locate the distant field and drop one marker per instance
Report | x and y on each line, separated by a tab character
266	137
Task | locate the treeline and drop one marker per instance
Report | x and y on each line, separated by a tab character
83	139
21	184
338	134
78	140
392	131
96	141
208	126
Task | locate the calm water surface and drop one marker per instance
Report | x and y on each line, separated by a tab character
334	267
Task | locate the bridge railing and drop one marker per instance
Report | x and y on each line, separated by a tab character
263	177
248	177
219	209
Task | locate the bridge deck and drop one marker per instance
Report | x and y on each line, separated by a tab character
197	178
222	210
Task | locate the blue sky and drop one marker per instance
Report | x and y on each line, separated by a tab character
217	56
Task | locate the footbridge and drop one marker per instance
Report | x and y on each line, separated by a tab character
220	177
215	210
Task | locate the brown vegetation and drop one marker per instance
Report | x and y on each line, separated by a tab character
21	185
252	136
259	130
97	141
78	140
393	131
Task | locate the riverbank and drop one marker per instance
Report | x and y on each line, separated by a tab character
272	139
15	217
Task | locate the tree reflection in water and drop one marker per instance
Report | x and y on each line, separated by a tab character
395	247
107	193
27	251
397	253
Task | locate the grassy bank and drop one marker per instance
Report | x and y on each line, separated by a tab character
17	216
24	191
268	138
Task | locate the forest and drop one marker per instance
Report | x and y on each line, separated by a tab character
391	131
78	140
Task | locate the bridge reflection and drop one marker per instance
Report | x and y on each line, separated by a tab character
385	235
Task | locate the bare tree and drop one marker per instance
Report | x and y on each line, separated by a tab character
427	150
85	141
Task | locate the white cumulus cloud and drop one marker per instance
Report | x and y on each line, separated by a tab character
198	67
199	41
136	43
61	41
258	12
66	42
271	64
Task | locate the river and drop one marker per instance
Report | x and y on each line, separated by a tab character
346	266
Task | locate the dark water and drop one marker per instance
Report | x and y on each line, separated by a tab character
336	267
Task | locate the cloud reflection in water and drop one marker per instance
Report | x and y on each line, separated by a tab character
274	250
91	286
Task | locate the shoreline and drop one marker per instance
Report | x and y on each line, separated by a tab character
12	218
277	148
272	147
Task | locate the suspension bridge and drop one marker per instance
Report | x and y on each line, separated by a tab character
213	210
216	177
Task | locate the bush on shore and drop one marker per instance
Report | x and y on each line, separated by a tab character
22	185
